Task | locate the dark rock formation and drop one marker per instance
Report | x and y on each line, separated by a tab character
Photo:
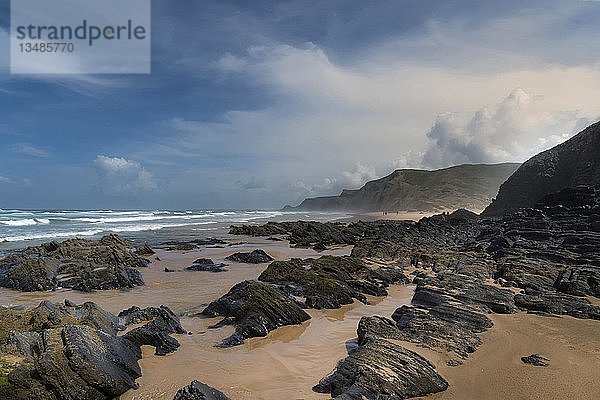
73	352
78	264
558	304
254	308
381	369
330	282
209	242
303	233
77	362
467	289
178	245
255	257
187	245
199	391
136	315
162	323
144	250
536	359
462	186
445	327
208	265
570	164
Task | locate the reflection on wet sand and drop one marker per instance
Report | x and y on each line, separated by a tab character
284	365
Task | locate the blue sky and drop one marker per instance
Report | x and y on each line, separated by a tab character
260	104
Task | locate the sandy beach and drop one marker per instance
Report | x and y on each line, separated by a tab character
495	370
284	365
291	360
402	215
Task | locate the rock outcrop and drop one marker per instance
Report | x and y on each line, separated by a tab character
156	333
254	308
330	282
208	265
199	391
570	164
303	233
381	369
144	250
77	264
74	352
254	257
536	360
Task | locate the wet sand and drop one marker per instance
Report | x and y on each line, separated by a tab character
495	371
283	365
290	360
181	289
403	215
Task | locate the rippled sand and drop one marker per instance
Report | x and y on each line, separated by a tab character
284	365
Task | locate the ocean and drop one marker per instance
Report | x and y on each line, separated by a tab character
22	228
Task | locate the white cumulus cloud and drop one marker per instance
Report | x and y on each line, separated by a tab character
121	177
359	176
519	127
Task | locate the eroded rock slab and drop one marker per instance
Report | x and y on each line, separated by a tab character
207	265
74	352
254	257
381	369
199	391
536	360
255	308
78	264
330	282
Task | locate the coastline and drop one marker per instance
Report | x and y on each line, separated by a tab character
302	355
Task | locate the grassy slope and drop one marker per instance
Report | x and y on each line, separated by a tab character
463	186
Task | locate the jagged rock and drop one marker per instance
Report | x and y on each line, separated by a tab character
471	291
255	257
462	214
370	328
302	233
445	327
381	369
536	359
208	242
208	265
78	362
254	308
330	282
78	264
559	304
152	334
136	315
49	316
580	281
178	245
73	352
199	391
155	333
144	250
